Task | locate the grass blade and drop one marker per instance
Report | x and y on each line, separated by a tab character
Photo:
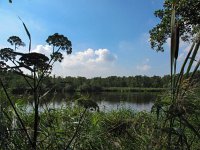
180	76
28	34
173	46
193	57
195	69
177	41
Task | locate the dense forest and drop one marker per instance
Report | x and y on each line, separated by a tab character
70	84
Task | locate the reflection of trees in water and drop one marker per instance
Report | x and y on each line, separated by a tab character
106	100
111	97
58	98
114	97
53	97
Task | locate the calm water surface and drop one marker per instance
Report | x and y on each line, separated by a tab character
108	100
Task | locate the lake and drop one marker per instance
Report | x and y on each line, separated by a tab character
107	101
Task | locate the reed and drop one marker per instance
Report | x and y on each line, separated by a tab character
177	116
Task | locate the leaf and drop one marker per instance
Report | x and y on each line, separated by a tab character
20	102
190	126
173	18
176	41
195	69
173	34
173	46
180	76
28	34
193	57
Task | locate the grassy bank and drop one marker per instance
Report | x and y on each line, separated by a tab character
120	129
129	89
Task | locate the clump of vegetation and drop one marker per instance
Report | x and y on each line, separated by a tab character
80	128
39	66
179	128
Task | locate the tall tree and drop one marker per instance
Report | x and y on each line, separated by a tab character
188	16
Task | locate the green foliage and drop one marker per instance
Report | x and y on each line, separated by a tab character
7	54
119	129
88	104
187	13
39	66
179	107
70	84
61	42
16	41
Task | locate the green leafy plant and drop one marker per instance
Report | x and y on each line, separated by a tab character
39	66
180	127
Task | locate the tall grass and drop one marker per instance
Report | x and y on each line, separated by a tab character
179	115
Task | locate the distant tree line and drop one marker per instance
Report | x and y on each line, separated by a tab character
60	84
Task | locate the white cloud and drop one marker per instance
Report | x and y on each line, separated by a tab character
88	63
144	67
44	49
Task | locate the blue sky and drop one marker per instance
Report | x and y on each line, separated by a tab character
109	37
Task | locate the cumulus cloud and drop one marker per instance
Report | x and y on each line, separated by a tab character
44	49
88	63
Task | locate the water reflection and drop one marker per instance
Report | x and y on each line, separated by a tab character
116	100
106	100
